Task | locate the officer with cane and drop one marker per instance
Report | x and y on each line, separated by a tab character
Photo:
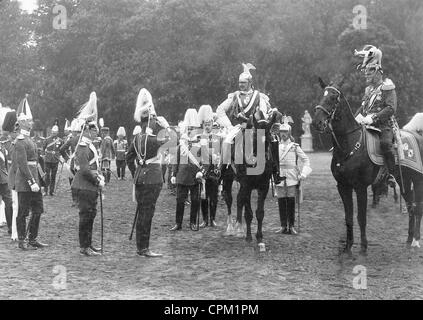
148	180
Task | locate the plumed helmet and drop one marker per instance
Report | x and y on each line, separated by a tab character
55	127
372	58
89	112
137	130
3	112
67	126
10	120
246	74
191	118
76	125
284	126
105	129
121	132
205	114
144	106
24	111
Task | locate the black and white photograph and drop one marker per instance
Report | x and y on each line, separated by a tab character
211	155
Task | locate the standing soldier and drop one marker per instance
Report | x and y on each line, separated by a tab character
107	153
131	166
67	151
121	147
39	140
288	178
186	172
210	144
379	103
27	181
88	181
144	149
5	192
52	158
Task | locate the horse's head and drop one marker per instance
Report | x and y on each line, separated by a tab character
325	111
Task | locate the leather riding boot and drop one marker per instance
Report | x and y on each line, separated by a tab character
390	163
282	203
291	215
34	225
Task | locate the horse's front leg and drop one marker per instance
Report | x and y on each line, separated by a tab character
261	197
362	216
417	212
346	195
248	215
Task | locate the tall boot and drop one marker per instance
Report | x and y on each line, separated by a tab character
282	204
390	163
34	226
291	215
205	212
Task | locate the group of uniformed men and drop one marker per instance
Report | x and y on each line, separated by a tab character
196	166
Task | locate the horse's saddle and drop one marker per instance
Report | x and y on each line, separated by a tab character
412	148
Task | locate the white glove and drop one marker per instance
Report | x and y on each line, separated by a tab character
101	184
199	175
163	122
173	180
368	119
35	187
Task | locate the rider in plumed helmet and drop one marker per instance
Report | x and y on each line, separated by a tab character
379	103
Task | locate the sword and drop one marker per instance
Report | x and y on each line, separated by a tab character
101	215
134	223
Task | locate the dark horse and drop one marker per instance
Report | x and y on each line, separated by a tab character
353	169
254	168
351	165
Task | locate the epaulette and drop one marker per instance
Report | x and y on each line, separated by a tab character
388	85
264	97
83	143
20	137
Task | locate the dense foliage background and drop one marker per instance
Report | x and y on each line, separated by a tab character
189	53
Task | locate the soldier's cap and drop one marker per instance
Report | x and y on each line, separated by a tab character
105	129
10	121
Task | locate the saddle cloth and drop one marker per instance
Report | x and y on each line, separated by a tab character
412	145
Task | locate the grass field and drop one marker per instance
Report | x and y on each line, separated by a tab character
207	265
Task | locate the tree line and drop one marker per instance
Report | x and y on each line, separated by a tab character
189	53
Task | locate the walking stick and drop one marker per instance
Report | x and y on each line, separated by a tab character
299	206
101	220
134	223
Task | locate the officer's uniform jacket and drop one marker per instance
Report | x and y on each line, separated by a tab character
39	141
87	164
68	148
228	112
380	101
97	143
9	145
185	169
211	157
52	149
26	160
107	150
4	176
121	147
288	163
147	157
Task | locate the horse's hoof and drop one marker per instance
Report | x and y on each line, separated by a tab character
363	252
249	238
415	243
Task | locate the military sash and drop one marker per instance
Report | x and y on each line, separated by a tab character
250	104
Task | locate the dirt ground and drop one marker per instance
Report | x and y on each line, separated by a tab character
207	265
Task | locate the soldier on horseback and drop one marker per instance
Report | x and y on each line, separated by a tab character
379	103
235	113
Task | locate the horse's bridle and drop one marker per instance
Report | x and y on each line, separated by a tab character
331	114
